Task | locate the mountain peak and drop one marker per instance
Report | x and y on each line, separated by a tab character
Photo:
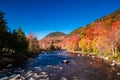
54	34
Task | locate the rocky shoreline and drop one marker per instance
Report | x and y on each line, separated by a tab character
114	64
105	58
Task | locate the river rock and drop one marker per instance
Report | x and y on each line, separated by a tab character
31	78
113	64
4	78
9	65
63	78
61	68
64	61
17	77
78	55
43	73
118	73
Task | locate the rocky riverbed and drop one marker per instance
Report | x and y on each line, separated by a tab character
48	66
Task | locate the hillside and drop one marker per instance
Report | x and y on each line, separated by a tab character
105	22
54	38
100	37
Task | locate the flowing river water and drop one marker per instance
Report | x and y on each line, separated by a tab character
48	66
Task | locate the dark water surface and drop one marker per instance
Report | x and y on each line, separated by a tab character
48	66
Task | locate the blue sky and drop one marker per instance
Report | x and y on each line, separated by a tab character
44	16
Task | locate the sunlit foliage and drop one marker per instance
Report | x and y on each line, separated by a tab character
101	37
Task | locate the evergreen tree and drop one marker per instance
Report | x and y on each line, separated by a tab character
21	41
3	27
3	31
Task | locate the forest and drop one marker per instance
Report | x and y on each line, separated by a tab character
14	45
101	37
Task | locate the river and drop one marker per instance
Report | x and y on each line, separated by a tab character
48	66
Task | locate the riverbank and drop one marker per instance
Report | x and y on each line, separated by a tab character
107	59
7	61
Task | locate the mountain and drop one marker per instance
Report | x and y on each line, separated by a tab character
100	37
54	38
54	34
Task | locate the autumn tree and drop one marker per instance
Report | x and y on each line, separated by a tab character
115	37
83	45
33	43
